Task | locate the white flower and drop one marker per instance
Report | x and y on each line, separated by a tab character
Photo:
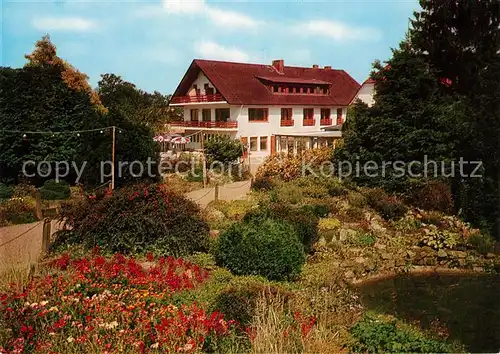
70	340
35	304
53	309
155	346
43	303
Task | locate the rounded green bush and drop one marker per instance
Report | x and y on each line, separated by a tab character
53	190
305	222
265	247
5	191
138	219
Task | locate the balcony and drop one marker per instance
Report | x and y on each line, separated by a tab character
287	123
327	121
309	122
196	124
197	99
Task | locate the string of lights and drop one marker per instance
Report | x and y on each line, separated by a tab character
66	132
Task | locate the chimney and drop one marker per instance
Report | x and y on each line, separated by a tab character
328	67
315	66
279	65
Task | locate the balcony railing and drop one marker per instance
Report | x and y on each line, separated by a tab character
309	122
197	99
327	121
205	124
287	123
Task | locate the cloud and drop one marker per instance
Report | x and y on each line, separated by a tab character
336	30
212	50
75	24
232	19
184	6
219	17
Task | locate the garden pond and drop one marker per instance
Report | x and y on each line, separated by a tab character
467	306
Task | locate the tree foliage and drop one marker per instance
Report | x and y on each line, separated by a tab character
224	149
125	100
49	95
45	55
438	96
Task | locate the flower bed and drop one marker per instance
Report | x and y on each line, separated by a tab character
109	305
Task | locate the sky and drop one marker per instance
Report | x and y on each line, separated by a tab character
152	43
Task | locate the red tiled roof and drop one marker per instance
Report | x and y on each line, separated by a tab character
369	81
242	84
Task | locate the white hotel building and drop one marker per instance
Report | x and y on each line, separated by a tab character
269	107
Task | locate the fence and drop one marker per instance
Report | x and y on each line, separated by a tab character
26	243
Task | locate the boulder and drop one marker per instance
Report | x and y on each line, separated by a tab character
345	234
430	261
490	255
386	255
458	254
442	254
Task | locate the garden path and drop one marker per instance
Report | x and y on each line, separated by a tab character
229	191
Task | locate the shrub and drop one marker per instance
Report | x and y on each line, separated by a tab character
287	166
312	187
432	195
23	190
373	335
439	239
483	243
6	191
320	210
304	222
195	174
356	199
138	219
53	190
389	207
355	214
363	239
432	218
263	183
261	247
17	211
287	194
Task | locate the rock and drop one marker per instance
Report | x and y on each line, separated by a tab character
399	262
349	274
386	255
411	254
360	260
345	234
430	261
369	265
478	269
458	254
376	227
490	255
379	246
442	254
461	262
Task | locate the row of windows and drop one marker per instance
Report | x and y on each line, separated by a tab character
262	114
221	115
256	143
302	89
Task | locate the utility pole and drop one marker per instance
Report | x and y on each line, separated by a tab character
113	160
203	161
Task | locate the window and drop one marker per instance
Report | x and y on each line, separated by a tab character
206	115
325	113
208	90
286	114
308	113
194	115
253	143
196	89
222	114
339	116
257	114
263	143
